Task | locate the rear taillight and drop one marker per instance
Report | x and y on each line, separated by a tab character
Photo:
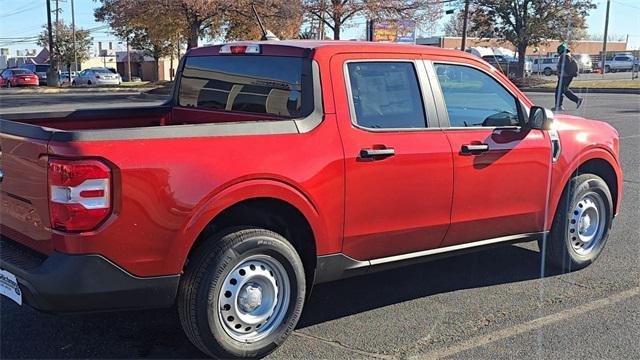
79	194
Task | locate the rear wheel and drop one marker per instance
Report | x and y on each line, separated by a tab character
242	293
581	225
547	71
89	82
9	84
607	68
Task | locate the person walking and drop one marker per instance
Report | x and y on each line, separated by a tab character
567	70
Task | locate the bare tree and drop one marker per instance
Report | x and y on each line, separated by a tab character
530	22
337	13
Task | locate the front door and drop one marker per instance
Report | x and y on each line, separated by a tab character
501	169
399	170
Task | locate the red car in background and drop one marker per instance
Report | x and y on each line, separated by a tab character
18	77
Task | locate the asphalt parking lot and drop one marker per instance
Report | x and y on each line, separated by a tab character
493	304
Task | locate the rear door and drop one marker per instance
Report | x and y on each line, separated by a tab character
398	162
501	169
24	207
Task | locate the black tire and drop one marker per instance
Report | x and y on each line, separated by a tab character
607	68
89	83
560	252
9	85
73	83
548	71
200	292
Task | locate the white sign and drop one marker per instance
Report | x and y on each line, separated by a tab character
9	287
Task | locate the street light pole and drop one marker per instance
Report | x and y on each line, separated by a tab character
464	25
73	34
604	42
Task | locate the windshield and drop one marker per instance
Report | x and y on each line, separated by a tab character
273	85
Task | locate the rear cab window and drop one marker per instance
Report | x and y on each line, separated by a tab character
385	95
257	84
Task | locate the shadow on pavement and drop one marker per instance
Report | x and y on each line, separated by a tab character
495	266
26	333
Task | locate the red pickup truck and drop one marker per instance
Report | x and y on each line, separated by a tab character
281	164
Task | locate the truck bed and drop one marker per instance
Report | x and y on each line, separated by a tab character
138	122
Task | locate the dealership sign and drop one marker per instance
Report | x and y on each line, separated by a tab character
402	31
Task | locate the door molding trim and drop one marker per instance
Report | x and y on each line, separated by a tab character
339	266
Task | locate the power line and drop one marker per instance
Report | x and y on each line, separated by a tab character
20	10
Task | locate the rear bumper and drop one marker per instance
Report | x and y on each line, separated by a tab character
78	283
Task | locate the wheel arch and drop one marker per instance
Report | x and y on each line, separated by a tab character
597	161
269	204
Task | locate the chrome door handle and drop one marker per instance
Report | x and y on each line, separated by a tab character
468	149
377	153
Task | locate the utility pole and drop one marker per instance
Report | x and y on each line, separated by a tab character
604	42
57	28
321	23
128	61
464	25
52	73
73	35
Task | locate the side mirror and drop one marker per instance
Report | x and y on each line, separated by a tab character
540	118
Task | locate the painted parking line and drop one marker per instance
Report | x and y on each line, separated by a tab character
527	326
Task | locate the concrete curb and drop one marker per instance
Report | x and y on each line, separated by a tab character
79	90
586	90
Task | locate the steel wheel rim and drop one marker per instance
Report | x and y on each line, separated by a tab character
587	223
254	298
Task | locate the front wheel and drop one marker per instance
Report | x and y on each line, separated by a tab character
9	84
242	293
581	225
548	71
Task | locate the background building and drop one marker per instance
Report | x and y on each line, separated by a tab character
577	47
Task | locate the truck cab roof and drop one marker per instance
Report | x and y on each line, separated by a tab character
328	47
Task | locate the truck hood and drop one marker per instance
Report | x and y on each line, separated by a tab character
585	133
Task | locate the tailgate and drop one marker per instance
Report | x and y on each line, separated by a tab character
24	208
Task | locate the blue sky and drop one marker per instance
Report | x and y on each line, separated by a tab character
21	19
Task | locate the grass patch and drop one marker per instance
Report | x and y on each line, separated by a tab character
598	84
134	83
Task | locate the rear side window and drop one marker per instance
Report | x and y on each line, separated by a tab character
274	85
386	95
474	98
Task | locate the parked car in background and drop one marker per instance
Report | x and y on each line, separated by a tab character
585	64
545	65
508	65
133	78
97	76
620	63
65	78
39	69
18	77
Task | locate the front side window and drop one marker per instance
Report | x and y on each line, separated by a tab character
274	85
386	95
474	98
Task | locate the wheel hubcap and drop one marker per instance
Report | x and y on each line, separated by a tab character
587	223
254	298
